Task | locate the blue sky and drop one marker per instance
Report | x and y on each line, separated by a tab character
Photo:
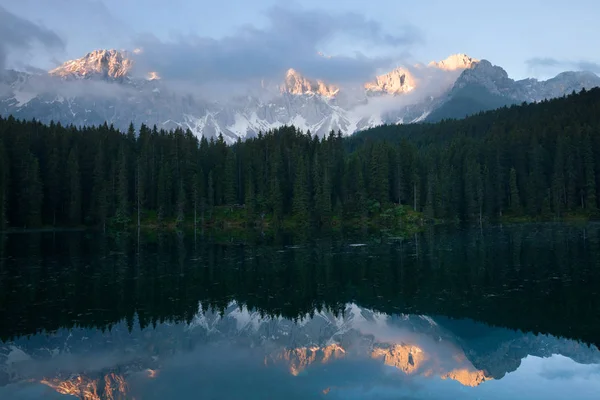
238	39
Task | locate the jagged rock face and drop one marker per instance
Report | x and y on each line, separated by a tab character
299	85
398	81
99	63
493	78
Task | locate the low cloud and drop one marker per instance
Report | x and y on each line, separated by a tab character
292	38
537	63
18	34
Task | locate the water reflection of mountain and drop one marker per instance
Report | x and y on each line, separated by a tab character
94	365
536	278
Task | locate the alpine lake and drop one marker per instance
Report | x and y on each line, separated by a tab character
499	312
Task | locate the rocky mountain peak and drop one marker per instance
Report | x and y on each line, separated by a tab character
455	62
113	64
297	84
483	73
398	81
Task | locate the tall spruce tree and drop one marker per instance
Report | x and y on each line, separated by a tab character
4	179
74	182
515	198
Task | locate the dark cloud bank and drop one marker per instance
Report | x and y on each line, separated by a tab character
18	34
292	38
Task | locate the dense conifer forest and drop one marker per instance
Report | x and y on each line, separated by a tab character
534	161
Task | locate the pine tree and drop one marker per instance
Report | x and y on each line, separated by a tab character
590	176
52	183
195	196
515	199
230	182
74	181
301	194
4	179
122	216
36	194
140	189
99	203
322	187
164	190
429	210
276	197
250	201
379	174
210	194
180	205
558	178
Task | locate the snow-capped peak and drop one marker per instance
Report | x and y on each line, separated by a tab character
454	62
398	81
113	64
297	84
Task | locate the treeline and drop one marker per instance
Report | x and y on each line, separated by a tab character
536	161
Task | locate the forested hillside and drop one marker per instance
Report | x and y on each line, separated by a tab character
536	161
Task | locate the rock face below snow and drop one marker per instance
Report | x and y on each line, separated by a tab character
100	87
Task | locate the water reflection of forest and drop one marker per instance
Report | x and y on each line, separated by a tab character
538	278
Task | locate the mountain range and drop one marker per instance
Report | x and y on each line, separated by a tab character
105	86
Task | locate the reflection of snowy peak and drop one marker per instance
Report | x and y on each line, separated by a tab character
101	87
95	362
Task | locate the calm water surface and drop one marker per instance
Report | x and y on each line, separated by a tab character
502	313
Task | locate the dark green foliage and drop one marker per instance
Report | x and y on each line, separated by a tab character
74	193
468	101
4	179
536	161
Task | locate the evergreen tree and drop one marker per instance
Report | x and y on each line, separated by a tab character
301	194
4	179
99	203
590	176
180	205
250	201
140	189
515	199
210	194
36	194
74	207
230	181
52	184
558	178
122	216
164	191
322	188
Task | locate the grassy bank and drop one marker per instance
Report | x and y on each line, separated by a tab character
397	219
